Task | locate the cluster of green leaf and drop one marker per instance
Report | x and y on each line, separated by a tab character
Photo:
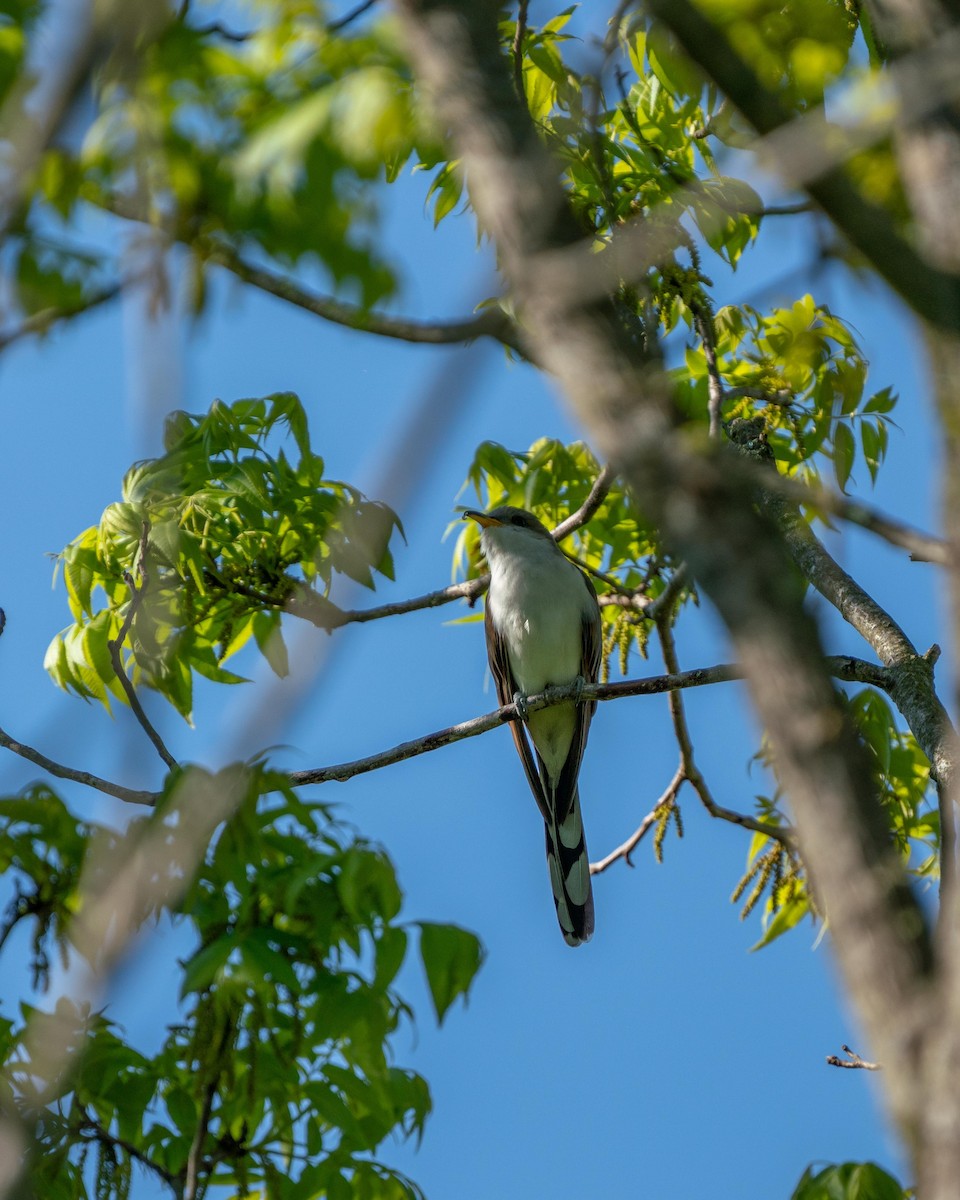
267	136
650	153
208	545
802	370
276	1073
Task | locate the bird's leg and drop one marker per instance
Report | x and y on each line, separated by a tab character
578	686
520	701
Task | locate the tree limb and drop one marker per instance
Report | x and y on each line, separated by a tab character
490	322
851	669
706	516
40	322
853	1061
59	771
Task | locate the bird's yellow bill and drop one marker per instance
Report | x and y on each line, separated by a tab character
481	518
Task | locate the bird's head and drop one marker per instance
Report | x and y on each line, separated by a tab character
509	530
508	517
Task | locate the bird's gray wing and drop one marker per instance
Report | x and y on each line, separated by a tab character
506	690
591	647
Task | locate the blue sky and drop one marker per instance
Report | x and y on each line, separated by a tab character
663	1059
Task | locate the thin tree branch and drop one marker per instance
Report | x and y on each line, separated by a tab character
59	771
41	322
598	493
691	772
921	546
518	51
843	667
350	17
318	610
114	645
912	686
625	849
853	1061
849	669
490	322
88	1127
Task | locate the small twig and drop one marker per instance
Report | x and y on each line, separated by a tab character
114	645
921	546
316	609
218	29
853	1062
490	322
350	17
598	493
518	50
625	849
681	730
312	607
787	210
666	599
59	771
96	1132
40	322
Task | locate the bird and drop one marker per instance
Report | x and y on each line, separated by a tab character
542	624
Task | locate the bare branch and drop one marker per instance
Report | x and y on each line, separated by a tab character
350	17
681	729
921	546
911	674
92	1130
853	1061
841	667
625	849
59	771
598	493
41	322
491	322
518	50
316	609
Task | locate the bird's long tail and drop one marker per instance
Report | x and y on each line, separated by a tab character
569	867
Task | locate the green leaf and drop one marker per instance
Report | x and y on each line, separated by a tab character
844	450
391	949
451	958
848	1181
201	970
269	639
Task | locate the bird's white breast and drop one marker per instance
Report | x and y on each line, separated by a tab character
537	602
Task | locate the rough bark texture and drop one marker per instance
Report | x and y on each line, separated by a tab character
929	154
694	492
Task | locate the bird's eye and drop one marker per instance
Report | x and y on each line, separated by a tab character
516	519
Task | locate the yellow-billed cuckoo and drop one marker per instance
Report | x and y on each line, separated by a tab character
543	629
